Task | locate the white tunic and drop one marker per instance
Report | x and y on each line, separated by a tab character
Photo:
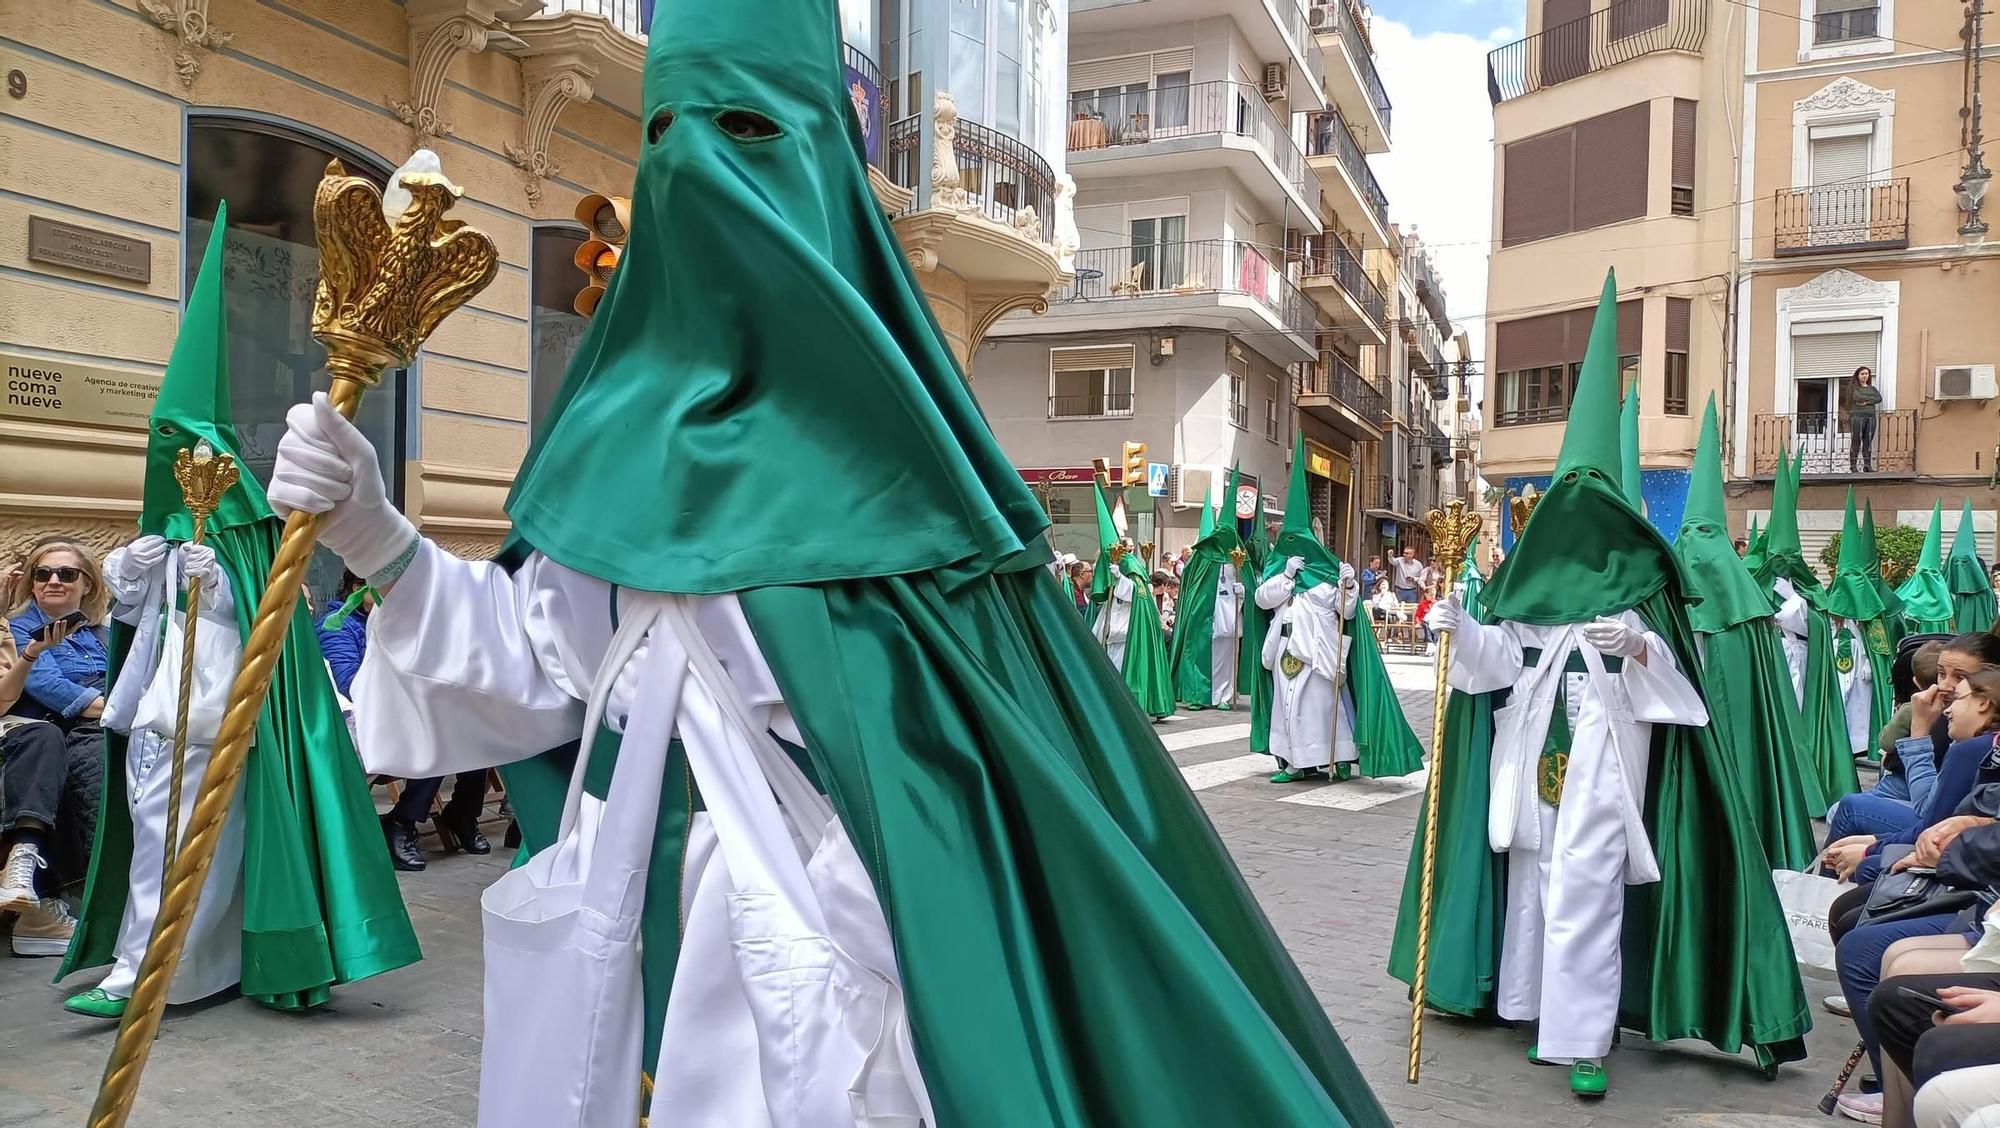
1793	625
1568	865
1227	636
1312	725
1857	686
468	667
142	707
1114	619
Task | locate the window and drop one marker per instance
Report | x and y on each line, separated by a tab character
556	327
1575	178
1683	172
1239	390
1630	17
1675	401
1540	359
1089	383
1138	97
1842	21
1161	244
1170	100
1824	357
1271	408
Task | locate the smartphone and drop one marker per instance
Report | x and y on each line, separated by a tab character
1929	1000
74	619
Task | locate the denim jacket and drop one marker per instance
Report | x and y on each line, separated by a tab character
66	678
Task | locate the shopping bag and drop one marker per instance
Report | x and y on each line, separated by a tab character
1807	898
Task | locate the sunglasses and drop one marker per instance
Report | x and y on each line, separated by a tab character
66	575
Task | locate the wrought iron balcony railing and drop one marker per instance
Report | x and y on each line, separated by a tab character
1332	376
1619	33
629	16
1001	175
1824	442
1859	215
1091	405
1198	109
1328	135
1328	257
1339	16
1187	268
868	103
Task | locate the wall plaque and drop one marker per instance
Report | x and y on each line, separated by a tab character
83	248
50	391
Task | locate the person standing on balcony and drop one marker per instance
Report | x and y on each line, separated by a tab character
1862	409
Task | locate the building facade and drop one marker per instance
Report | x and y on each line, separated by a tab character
122	130
1233	275
1770	183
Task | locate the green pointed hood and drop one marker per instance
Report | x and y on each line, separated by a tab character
1208	514
1926	595
1586	551
1966	574
1853	594
1629	475
1726	592
193	405
1783	557
799	419
1295	536
1884	590
1107	538
1753	547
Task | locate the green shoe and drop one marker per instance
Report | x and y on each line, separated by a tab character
1344	771
1298	775
1535	1056
96	1004
1588	1080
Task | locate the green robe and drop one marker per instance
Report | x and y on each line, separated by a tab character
1193	654
1971	588
1926	595
1256	624
1144	662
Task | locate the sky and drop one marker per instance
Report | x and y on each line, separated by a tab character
1438	173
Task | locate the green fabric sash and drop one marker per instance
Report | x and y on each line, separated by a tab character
1193	653
320	901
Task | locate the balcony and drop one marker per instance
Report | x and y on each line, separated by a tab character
1352	83
1379	496
1824	445
1626	30
1200	283
1202	125
1350	184
1838	218
1331	391
1273	29
1352	301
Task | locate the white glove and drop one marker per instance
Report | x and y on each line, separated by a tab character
1445	616
325	465
1293	565
1613	637
140	557
1348	584
198	564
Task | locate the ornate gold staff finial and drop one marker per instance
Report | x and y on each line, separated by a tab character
386	280
204	478
1146	554
1238	557
1520	507
1452	529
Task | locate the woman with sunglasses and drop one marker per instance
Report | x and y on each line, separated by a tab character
67	686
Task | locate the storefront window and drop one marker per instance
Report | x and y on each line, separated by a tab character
557	326
270	269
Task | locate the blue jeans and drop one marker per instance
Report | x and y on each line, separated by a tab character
1858	959
1869	813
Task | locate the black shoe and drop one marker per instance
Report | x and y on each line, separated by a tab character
463	831
402	838
513	839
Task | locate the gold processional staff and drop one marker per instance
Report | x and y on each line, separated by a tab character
386	281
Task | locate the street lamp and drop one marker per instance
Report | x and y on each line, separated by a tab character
1971	189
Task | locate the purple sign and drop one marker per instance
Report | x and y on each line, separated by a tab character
868	107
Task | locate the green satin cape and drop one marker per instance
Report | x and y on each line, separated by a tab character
1755	718
1193	655
320	902
1382	736
1145	660
1823	719
1971	588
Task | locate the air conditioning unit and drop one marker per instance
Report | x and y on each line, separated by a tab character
1274	82
1322	17
1963	381
1193	486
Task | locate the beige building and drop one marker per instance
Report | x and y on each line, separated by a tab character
126	122
1766	280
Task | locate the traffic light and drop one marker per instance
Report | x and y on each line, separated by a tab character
609	221
1135	463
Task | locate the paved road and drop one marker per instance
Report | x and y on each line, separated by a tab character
1326	860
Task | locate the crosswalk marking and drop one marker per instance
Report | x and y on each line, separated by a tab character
1196	738
1359	794
1215	773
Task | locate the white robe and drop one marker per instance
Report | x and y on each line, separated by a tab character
1312	713
1114	619
1793	625
1227	636
469	667
1568	866
1857	686
212	959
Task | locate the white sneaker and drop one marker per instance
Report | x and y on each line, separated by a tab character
1864	1107
17	880
1837	1004
44	931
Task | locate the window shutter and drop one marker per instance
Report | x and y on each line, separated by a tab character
1631	327
1537	187
1171	62
1090	359
1678	312
1610	167
1837	160
1828	7
1833	354
1530	342
1095	74
1684	143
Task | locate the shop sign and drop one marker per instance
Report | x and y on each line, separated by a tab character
83	248
1068	475
1326	463
49	391
1246	502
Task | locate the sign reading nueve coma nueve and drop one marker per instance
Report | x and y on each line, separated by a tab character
53	391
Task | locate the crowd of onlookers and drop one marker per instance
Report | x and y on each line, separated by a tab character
1917	939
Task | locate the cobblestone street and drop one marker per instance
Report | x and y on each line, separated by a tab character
1326	860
